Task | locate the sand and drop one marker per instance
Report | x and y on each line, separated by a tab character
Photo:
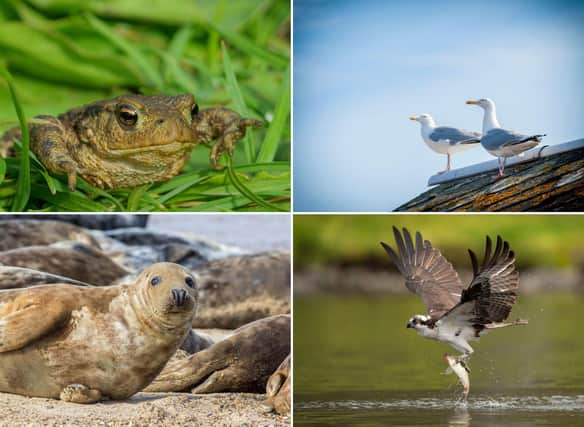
142	409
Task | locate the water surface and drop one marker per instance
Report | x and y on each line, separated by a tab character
357	364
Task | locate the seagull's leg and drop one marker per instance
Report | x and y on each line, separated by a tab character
501	167
447	165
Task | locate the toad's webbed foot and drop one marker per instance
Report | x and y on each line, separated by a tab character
223	125
79	393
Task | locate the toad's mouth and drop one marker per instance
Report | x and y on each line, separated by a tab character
164	147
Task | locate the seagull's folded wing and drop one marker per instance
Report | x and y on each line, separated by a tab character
454	135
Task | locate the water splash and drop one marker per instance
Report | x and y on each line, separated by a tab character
524	403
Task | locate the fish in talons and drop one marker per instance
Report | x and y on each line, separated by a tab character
462	371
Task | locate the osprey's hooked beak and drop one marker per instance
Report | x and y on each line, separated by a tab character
410	324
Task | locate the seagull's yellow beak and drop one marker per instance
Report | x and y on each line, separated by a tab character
414	118
472	102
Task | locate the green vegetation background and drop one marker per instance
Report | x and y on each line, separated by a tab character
65	53
555	241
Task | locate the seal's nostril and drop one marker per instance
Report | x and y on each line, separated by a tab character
179	296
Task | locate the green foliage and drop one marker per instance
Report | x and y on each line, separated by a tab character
538	240
63	54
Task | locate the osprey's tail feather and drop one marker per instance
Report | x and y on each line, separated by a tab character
518	322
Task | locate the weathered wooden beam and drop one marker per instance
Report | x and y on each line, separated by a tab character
551	181
492	165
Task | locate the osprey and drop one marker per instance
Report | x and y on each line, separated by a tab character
457	315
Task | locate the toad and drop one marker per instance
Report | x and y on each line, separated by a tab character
130	140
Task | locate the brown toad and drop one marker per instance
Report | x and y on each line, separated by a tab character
130	140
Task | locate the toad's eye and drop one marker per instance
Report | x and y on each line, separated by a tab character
127	115
190	282
156	280
194	111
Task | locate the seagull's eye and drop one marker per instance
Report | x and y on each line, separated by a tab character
156	280
126	114
190	282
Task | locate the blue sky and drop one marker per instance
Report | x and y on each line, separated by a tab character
362	68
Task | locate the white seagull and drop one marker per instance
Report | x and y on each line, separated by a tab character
499	142
457	315
444	139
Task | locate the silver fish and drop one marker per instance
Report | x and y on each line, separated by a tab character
461	371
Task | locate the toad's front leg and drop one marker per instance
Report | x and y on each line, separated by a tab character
223	125
51	141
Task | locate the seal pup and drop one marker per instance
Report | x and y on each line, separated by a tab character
86	344
134	248
94	222
18	233
238	290
77	261
17	277
241	362
196	341
278	389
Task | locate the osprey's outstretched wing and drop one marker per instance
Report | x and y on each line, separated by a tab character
492	292
427	272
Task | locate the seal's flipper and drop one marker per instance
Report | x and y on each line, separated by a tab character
217	382
78	393
20	327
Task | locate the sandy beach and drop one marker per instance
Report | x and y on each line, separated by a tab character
143	409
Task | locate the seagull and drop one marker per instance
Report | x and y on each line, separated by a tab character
457	315
444	139
499	142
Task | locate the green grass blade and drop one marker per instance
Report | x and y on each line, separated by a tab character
274	133
179	41
235	92
73	202
136	197
277	167
250	48
23	183
2	169
90	189
246	192
134	54
178	190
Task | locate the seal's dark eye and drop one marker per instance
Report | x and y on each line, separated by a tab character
127	115
195	110
190	282
156	280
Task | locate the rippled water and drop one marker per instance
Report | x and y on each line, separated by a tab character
357	364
